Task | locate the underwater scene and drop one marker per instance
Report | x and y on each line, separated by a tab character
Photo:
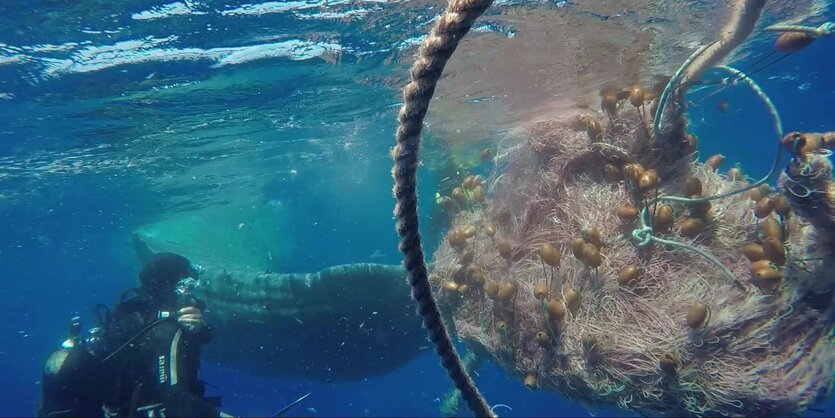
417	208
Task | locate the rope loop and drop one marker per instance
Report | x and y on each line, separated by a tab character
642	236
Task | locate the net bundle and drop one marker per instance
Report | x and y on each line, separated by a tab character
573	269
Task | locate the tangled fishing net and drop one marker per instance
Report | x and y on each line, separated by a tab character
602	260
727	309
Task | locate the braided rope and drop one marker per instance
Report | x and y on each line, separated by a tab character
741	22
433	55
825	29
449	405
744	16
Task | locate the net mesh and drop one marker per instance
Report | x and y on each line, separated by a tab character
761	348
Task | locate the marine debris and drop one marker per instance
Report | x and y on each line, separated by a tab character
602	260
657	300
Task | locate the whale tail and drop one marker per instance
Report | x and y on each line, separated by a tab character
143	251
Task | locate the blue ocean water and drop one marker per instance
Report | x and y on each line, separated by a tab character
111	115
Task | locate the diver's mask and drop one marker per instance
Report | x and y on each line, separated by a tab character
187	285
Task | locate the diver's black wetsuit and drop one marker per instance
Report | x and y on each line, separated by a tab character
157	371
148	368
72	384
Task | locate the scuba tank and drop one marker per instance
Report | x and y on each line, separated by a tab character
73	334
72	377
57	360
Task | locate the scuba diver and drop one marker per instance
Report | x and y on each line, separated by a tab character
143	357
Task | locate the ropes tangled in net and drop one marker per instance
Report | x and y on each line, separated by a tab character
595	260
572	270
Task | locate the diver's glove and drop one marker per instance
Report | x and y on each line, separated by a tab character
191	319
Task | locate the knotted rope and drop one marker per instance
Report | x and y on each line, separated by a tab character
642	236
